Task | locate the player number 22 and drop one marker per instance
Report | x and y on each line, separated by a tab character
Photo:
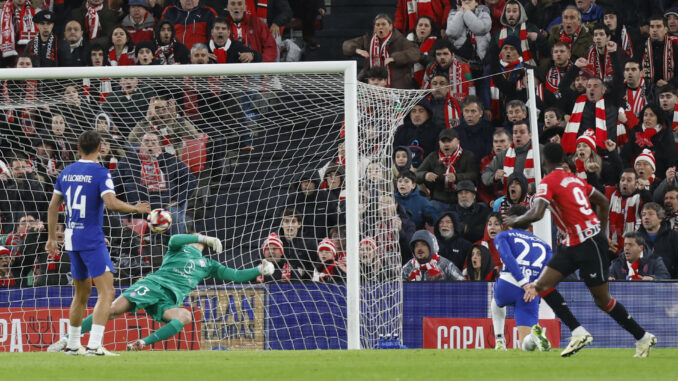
582	201
76	202
526	250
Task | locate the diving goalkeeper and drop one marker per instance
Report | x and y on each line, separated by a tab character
162	293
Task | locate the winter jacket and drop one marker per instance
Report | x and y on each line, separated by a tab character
424	136
503	203
108	19
232	54
591	17
498	163
419	206
145	31
259	37
404	53
580	46
460	24
75	57
192	27
536	47
663	147
465	169
176	129
449	270
455	248
665	246
476	138
472	220
650	265
180	182
301	254
179	52
126	112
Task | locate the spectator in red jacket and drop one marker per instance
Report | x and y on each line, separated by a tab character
139	22
250	30
192	22
224	50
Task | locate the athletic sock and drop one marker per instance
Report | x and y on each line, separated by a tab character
579	331
498	319
557	303
95	336
73	338
166	331
617	311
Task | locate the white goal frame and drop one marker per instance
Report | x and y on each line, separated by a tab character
348	68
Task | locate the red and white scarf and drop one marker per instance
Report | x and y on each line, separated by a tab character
452	111
125	58
495	94
636	98
524	42
603	72
165	53
379	53
93	22
431	267
104	88
553	78
510	164
581	169
10	26
622	137
644	138
626	42
222	52
455	74
624	216
419	69
259	8
667	60
569	40
569	141
449	162
417	8
634	272
674	123
152	176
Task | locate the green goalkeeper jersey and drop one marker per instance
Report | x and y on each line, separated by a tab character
183	267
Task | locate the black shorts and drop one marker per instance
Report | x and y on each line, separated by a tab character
589	257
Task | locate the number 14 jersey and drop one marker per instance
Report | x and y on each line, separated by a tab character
82	185
568	199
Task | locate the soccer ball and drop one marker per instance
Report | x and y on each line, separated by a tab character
159	220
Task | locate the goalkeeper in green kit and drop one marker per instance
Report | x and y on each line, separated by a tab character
162	293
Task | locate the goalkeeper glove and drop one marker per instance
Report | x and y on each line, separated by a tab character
266	268
212	242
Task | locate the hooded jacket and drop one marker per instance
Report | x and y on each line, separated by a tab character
175	51
540	46
486	265
455	248
419	207
448	270
424	136
192	27
145	31
461	24
503	203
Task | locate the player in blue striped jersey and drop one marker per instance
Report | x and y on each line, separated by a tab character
524	256
85	187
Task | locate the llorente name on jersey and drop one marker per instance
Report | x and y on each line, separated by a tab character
78	178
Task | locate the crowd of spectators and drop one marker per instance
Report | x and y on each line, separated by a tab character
605	80
606	88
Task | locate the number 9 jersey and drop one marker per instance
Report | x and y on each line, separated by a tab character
568	198
83	185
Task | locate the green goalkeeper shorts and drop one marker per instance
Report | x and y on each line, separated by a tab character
152	298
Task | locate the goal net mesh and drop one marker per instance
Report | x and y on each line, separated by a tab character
239	157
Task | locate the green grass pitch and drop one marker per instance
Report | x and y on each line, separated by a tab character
589	364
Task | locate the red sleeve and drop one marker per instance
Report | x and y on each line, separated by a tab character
440	17
545	189
400	16
269	49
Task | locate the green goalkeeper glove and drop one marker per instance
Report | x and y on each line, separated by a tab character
212	242
266	268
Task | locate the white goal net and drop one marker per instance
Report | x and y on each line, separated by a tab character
253	159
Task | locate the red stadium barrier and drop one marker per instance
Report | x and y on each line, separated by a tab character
477	333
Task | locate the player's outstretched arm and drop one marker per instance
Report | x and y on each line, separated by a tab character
52	245
603	207
113	203
179	240
246	275
535	213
